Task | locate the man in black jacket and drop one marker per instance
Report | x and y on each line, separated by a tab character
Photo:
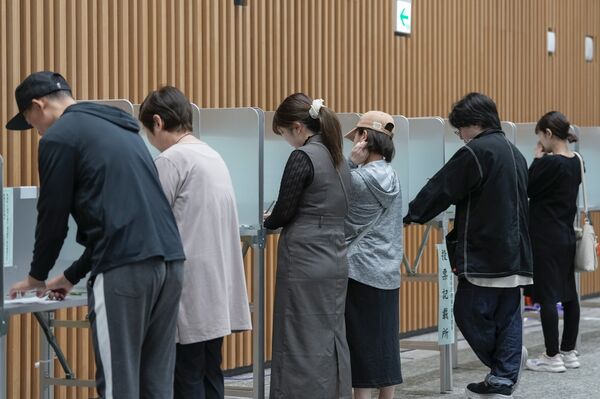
94	166
489	246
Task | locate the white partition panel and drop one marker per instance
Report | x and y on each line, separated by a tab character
237	135
153	151
348	122
426	154
401	163
510	129
195	120
526	140
22	213
452	142
589	146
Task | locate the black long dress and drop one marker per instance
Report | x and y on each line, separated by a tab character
553	187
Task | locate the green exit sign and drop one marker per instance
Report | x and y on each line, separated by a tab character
403	16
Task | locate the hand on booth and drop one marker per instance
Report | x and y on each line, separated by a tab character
26	285
58	287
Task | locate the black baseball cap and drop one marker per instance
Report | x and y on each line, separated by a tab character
36	85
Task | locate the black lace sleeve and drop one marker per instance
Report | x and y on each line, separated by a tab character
298	174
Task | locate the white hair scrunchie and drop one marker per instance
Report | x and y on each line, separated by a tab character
316	107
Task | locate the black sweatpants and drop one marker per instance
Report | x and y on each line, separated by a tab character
133	314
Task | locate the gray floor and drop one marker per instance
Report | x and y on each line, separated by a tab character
421	368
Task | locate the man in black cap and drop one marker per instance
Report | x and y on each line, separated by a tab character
94	165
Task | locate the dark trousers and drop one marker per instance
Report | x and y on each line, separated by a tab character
549	317
133	314
490	320
198	372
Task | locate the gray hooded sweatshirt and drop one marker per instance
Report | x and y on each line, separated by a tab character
374	258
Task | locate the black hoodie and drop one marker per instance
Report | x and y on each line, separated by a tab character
94	165
487	181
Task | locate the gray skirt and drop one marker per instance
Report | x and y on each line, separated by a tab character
310	353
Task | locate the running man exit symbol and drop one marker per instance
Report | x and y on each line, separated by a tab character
403	16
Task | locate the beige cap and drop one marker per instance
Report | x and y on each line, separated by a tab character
374	120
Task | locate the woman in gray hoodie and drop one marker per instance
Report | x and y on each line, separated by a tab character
373	230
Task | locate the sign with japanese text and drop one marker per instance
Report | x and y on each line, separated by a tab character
446	302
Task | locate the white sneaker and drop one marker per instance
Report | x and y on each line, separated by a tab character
552	364
524	358
570	359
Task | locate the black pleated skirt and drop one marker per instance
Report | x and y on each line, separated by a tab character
372	330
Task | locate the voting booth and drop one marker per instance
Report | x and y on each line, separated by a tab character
237	134
426	155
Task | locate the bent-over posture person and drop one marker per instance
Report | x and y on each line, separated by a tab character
310	352
489	247
94	165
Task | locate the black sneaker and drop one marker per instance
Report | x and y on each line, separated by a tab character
483	390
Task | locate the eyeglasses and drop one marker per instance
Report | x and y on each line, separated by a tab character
457	132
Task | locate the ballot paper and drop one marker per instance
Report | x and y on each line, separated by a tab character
28	300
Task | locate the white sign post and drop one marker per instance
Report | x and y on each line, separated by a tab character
446	292
403	16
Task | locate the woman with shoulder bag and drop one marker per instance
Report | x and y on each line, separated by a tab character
554	178
374	237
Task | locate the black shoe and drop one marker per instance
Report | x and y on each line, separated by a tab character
487	391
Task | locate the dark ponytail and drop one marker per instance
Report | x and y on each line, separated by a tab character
558	124
295	108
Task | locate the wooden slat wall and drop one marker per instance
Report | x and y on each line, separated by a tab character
342	50
590	282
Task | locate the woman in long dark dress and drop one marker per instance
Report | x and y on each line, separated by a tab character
310	352
554	178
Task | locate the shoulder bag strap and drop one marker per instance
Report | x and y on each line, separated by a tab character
585	201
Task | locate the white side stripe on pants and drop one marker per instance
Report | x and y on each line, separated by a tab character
103	334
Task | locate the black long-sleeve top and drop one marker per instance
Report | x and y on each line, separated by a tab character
297	175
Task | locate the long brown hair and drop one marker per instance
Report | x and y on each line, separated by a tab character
295	108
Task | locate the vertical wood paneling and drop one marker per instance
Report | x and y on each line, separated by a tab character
342	50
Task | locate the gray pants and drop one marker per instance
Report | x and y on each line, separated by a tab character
133	314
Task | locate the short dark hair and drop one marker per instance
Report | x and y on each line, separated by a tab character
558	124
54	96
379	143
475	109
58	95
171	105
